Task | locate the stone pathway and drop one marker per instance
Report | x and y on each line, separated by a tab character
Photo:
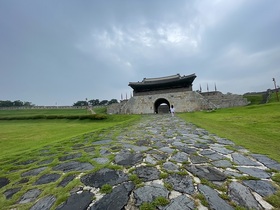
161	161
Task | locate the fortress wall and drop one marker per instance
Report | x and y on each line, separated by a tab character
225	100
186	101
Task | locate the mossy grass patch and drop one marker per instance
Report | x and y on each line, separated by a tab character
157	202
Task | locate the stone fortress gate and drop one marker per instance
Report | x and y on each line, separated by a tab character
156	95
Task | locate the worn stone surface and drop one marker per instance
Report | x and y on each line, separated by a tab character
222	163
142	143
181	183
33	172
23	180
149	193
214	200
215	156
195	159
188	150
207	152
169	166
240	159
256	172
30	196
267	161
101	160
262	187
179	203
221	149
44	203
70	156
224	141
147	173
47	178
73	166
89	149
45	162
105	141
167	150
77	146
66	180
26	162
136	148
4	181
104	176
160	156
117	199
10	192
127	158
207	172
77	201
150	159
242	196
180	157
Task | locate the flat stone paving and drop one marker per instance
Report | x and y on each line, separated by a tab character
169	157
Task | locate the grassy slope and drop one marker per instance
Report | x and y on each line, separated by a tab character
258	97
20	136
254	98
273	97
255	127
32	112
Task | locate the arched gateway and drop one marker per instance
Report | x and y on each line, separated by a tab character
161	106
156	95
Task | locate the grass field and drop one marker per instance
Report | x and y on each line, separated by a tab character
21	136
32	112
257	98
256	127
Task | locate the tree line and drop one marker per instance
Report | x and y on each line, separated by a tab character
16	103
95	102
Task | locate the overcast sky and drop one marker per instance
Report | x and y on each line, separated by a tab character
61	51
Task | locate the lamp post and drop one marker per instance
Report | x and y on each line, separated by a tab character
276	90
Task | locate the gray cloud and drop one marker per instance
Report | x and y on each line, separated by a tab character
64	51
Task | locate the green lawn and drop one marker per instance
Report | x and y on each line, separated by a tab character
273	97
254	98
256	127
32	112
20	136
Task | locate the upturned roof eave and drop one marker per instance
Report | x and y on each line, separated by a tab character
188	78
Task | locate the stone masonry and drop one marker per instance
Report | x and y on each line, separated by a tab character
183	101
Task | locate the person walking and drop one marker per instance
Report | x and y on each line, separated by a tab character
172	110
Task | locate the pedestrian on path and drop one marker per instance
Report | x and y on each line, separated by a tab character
172	110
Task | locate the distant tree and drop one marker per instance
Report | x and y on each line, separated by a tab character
112	101
18	103
27	103
103	102
94	102
6	103
81	103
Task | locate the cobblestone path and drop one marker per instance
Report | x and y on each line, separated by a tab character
161	162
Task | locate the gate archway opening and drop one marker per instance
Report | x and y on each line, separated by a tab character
161	106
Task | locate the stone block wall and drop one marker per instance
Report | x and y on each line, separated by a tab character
185	101
225	100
